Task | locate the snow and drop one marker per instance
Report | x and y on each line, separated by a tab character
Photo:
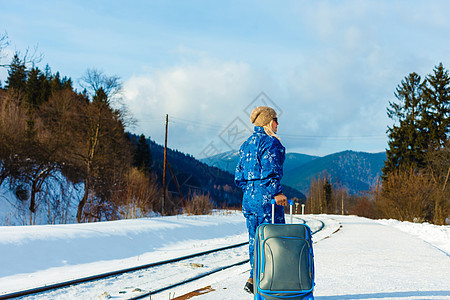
363	260
438	236
355	258
56	204
367	260
36	255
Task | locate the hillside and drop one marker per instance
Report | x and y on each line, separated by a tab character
227	161
196	176
357	171
193	176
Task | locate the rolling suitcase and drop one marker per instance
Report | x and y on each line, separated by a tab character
284	265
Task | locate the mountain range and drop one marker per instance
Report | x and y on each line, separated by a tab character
355	171
194	176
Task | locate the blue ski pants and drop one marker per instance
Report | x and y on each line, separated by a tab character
253	221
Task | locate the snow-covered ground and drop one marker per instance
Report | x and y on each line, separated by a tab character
56	204
364	259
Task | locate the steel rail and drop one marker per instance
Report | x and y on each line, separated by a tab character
113	273
322	224
189	280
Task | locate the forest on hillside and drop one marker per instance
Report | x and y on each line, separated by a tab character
59	146
51	133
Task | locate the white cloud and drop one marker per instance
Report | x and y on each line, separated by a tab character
201	99
323	97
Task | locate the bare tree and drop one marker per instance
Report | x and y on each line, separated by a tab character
31	56
139	196
101	151
407	196
39	158
94	80
27	150
199	205
320	194
438	166
12	127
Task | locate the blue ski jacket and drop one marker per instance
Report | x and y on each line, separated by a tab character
259	172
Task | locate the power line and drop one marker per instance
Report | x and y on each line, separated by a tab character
176	120
219	128
333	137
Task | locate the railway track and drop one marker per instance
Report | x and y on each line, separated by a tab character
213	261
315	224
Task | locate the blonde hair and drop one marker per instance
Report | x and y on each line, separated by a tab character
268	129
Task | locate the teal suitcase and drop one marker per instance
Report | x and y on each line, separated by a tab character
284	261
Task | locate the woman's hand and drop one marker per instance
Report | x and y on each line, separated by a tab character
281	199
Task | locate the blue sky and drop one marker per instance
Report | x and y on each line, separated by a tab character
330	67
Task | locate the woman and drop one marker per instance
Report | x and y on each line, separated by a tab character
259	173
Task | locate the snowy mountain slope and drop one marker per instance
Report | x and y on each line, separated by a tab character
357	171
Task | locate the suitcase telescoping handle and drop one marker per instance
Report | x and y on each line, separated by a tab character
291	202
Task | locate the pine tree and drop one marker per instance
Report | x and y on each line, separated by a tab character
406	141
48	72
436	116
17	74
57	84
328	189
33	87
142	155
45	91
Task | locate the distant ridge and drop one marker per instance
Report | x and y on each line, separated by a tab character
227	161
356	171
197	176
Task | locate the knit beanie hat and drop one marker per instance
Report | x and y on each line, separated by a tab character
262	115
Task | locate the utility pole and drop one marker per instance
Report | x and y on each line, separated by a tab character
164	167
